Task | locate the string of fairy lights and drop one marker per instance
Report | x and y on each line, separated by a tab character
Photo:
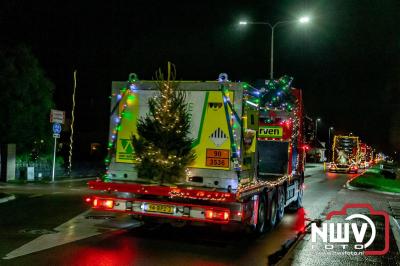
123	93
276	96
232	119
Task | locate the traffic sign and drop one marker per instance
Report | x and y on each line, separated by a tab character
57	116
57	136
56	128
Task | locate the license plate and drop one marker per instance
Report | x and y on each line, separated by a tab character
160	208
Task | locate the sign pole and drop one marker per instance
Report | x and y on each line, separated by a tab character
57	118
54	159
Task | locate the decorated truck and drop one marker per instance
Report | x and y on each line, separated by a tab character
246	142
366	156
345	154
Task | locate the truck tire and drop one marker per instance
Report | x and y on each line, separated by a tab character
273	212
281	204
262	215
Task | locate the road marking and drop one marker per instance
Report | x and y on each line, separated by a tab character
77	228
5	199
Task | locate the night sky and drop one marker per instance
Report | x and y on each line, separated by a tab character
346	60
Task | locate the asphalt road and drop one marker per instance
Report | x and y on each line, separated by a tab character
50	225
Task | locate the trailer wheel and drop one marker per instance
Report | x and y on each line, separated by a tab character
262	215
281	204
273	212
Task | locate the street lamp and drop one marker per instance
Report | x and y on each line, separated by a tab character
302	20
329	139
331	128
316	127
329	134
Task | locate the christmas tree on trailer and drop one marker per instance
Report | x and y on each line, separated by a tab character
162	147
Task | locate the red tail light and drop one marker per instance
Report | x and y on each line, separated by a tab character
209	214
108	204
217	215
103	203
226	216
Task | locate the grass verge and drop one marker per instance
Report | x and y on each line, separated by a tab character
373	179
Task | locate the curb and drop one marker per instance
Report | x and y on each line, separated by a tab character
8	198
73	180
396	233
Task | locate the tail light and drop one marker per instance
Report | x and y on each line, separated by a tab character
217	215
108	204
102	203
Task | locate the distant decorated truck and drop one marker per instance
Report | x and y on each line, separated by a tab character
345	154
248	154
366	156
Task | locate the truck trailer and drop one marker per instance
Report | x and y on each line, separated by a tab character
249	164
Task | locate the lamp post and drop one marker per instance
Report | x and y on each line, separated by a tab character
329	140
302	20
316	127
329	134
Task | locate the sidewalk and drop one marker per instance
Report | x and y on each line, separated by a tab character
63	180
73	185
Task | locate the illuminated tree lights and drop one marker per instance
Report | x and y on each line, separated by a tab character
275	96
162	147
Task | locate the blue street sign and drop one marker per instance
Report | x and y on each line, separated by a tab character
56	128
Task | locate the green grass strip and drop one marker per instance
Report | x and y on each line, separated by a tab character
372	178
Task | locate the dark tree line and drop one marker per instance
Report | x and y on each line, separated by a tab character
26	97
